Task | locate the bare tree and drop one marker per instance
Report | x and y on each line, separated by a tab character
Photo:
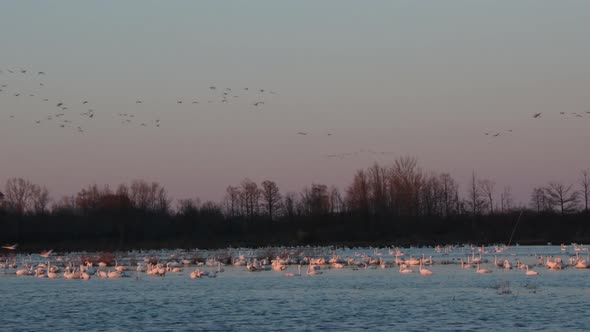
89	199
487	187
189	206
290	205
139	193
539	200
450	193
562	196
406	180
505	200
336	202
232	201
250	198
149	196
431	195
271	197
162	200
66	205
476	202
315	201
357	195
585	184
19	195
40	200
377	181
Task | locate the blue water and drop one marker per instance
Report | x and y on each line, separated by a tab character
453	299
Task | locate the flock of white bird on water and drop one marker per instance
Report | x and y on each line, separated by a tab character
78	267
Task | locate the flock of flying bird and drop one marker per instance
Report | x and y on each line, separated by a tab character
64	112
538	115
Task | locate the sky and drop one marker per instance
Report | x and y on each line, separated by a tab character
421	78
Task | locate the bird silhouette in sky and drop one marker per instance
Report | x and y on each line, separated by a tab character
537	115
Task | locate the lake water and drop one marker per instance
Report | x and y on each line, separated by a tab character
452	299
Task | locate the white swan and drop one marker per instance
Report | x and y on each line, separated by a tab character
482	271
531	272
51	272
119	268
424	272
293	274
403	269
196	274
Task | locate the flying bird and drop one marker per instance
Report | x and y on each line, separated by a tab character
496	135
138	101
301	133
10	247
258	103
537	115
59	104
85	102
41	73
46	254
212	88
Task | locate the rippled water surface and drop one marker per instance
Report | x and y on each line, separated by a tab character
344	299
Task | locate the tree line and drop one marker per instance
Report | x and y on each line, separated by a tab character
399	203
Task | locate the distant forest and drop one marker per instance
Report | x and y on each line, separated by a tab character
399	204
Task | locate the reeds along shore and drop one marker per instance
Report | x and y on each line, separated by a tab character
400	204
